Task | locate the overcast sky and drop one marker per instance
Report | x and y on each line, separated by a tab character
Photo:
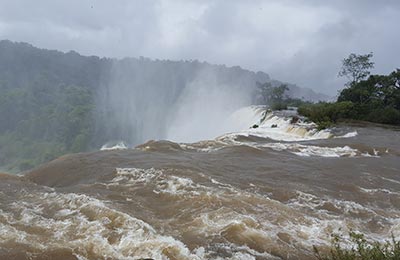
299	41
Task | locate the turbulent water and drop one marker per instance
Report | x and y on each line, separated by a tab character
270	192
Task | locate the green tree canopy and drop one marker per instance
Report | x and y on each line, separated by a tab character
356	67
376	99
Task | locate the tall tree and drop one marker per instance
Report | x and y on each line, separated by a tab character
356	68
270	94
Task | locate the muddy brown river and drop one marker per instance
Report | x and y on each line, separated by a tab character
263	193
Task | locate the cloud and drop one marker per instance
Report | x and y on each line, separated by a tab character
297	41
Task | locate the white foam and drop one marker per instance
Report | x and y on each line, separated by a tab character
378	190
348	135
259	217
313	202
295	148
236	252
298	149
275	127
280	128
246	117
327	223
202	148
161	183
240	217
135	175
284	131
390	180
114	146
310	150
85	225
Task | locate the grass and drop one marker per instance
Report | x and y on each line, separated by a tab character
358	248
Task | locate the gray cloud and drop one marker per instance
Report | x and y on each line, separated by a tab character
296	41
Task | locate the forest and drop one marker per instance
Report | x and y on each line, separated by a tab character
53	103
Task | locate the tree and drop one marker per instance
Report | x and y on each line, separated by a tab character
356	67
272	95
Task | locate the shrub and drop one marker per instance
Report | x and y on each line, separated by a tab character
385	116
359	249
325	114
279	106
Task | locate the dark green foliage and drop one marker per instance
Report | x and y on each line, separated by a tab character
384	116
40	130
53	103
50	101
46	104
359	249
278	105
19	153
376	99
356	67
326	114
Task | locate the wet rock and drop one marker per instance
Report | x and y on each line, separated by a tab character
294	120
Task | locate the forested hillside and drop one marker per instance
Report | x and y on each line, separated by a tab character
53	103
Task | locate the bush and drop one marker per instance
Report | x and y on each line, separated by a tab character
279	106
360	249
384	116
376	99
326	114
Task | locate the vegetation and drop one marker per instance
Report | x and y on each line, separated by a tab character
326	114
46	104
376	99
272	95
49	100
358	248
53	103
275	97
356	67
58	119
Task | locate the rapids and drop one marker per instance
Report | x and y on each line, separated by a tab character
271	192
